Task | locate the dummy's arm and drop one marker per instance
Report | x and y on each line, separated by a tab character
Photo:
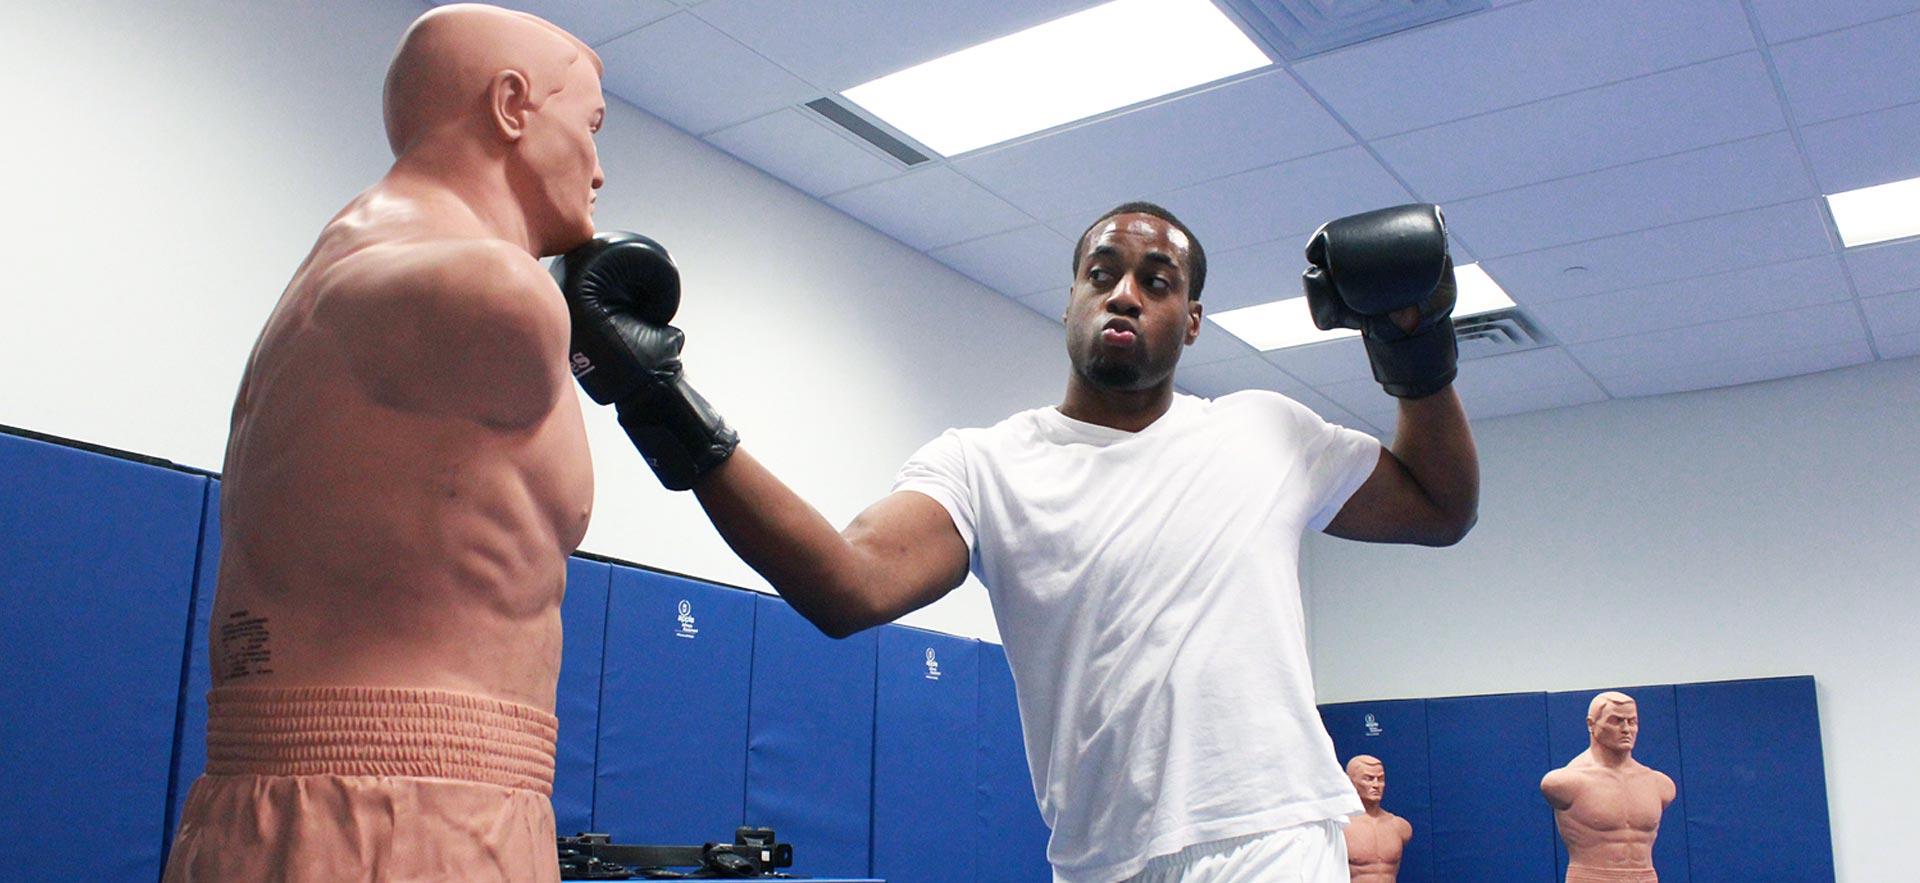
465	329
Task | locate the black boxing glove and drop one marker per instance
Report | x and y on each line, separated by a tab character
1367	266
622	289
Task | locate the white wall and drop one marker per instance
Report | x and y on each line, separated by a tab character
167	165
1771	529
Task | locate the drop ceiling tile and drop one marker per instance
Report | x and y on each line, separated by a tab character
1515	54
1646	257
1866	67
1328	362
1216	379
1051	304
1087	169
1215	345
593	22
1739	369
931	207
683	71
1898	346
1729	341
1017	262
803	150
1699	301
1893	316
1639	119
1861	151
1685	187
1783	20
1885	268
1486	406
839	44
1254	274
1291	199
1535	380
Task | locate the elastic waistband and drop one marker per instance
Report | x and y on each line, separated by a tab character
379	731
1582	874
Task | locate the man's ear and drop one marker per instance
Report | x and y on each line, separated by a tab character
509	100
1193	321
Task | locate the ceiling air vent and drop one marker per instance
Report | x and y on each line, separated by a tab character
1496	334
844	117
1295	29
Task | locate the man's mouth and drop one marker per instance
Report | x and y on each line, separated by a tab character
1118	332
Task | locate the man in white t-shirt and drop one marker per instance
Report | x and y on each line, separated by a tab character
1140	547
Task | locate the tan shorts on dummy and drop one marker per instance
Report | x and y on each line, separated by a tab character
358	783
1577	874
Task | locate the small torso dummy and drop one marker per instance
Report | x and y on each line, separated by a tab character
1606	804
1376	839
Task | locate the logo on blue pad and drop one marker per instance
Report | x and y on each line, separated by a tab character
933	666
686	629
1373	725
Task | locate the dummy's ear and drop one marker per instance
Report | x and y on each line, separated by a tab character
509	99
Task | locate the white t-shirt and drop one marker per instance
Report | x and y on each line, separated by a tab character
1147	589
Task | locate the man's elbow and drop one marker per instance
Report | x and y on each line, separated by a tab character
1451	531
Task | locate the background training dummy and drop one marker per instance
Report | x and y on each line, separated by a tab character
1606	804
1376	839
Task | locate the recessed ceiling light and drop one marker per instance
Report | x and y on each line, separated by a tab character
1067	69
1287	323
1877	213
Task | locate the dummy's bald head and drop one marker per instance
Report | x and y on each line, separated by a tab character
1361	762
448	58
1598	707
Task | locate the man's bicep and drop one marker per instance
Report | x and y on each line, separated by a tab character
1389	507
914	548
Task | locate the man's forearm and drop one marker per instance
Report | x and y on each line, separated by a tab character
1435	445
787	541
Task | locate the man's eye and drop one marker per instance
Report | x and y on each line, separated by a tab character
1097	274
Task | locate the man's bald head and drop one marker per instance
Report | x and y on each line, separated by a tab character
446	62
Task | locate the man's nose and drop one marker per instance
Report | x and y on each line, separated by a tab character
1124	299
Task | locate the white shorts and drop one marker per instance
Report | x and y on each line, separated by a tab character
1315	852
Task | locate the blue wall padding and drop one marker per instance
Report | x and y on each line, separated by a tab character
1013	837
673	710
1756	781
1658	747
925	730
1487	755
1395	731
190	753
810	740
96	582
583	625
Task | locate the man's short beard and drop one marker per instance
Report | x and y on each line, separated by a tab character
1111	375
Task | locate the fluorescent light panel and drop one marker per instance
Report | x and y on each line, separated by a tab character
1878	213
1288	323
1088	63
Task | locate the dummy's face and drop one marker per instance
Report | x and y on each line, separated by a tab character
1128	314
1370	782
1617	727
563	161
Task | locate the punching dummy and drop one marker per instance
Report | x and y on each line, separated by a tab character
1376	838
1606	804
406	475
